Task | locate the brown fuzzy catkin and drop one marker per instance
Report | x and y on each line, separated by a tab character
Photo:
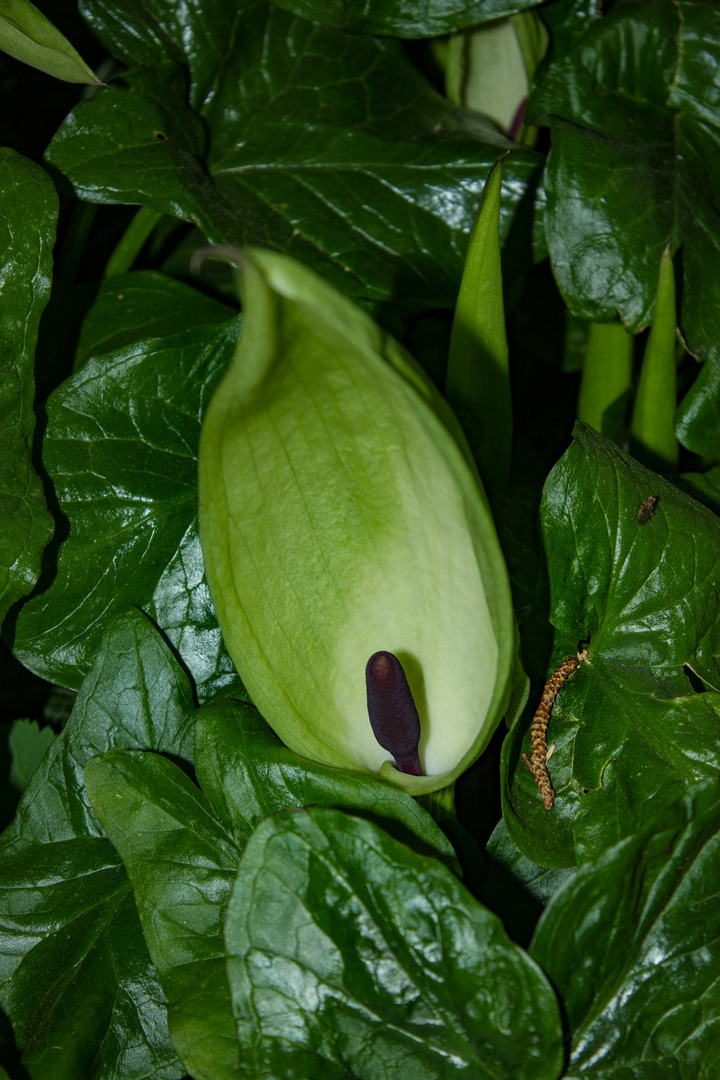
537	762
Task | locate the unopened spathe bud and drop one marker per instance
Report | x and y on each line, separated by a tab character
341	514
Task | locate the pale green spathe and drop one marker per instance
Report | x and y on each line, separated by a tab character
340	515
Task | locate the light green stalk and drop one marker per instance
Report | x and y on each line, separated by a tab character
607	379
477	384
131	242
653	438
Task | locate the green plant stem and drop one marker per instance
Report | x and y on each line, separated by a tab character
606	380
477	383
653	440
131	242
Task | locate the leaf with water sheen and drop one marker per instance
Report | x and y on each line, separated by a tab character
181	863
631	733
181	847
121	450
377	192
395	18
27	233
350	955
143	304
632	105
632	944
70	939
247	774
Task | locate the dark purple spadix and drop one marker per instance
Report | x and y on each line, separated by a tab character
393	716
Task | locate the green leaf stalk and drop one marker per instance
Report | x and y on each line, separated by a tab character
653	439
607	380
477	383
132	242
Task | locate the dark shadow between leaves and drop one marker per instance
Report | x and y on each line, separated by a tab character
510	901
10	1057
698	686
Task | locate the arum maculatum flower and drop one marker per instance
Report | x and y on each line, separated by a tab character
348	543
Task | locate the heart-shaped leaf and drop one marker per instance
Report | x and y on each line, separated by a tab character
631	942
70	938
350	955
27	235
376	191
121	450
630	731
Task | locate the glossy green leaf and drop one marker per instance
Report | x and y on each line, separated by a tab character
28	35
514	887
632	944
697	421
181	863
705	487
350	955
70	939
630	732
567	20
27	234
398	18
633	163
247	774
181	847
377	193
121	450
143	304
540	882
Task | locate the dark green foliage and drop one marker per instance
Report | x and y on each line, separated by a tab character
631	733
181	896
28	204
631	945
376	192
121	451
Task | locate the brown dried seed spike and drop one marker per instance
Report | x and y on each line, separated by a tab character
647	509
537	762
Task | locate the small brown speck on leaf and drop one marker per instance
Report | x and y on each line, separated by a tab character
646	511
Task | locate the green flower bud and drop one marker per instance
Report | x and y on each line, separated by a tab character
341	516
